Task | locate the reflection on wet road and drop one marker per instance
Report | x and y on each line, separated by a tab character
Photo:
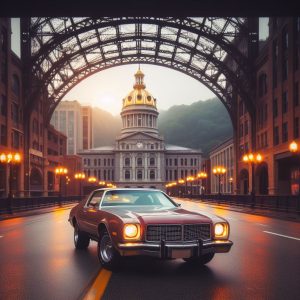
38	261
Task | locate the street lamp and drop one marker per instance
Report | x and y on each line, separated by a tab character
293	147
252	159
190	179
180	182
92	179
60	171
10	159
201	176
231	184
219	171
80	177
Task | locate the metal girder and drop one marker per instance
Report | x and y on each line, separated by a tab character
66	50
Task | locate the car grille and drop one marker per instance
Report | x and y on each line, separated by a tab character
170	233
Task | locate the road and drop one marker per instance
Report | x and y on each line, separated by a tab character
38	261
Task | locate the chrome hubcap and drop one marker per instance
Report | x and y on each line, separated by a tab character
106	249
75	236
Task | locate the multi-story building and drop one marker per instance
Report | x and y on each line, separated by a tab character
87	128
11	110
223	156
140	157
75	121
277	106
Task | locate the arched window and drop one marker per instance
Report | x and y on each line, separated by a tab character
152	161
139	161
139	174
127	174
127	161
16	85
152	174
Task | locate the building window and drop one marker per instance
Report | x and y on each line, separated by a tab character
152	161
112	175
95	162
167	173
99	162
3	135
139	161
3	105
175	162
152	174
182	174
16	85
139	175
192	162
127	174
167	162
275	61
88	162
104	175
152	146
185	162
139	120
127	161
170	161
171	175
285	66
284	102
296	128
15	142
108	174
262	84
275	108
284	132
112	162
108	162
104	161
175	175
15	113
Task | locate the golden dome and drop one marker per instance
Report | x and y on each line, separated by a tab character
139	95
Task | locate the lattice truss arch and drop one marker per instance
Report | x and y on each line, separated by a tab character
64	51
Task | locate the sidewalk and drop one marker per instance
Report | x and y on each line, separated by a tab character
36	211
288	216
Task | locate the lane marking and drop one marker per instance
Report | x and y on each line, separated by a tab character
282	235
98	287
262	224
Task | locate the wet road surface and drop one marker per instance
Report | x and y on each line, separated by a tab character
38	261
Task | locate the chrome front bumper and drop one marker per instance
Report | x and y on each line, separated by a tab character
174	249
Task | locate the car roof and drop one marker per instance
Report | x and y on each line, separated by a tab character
128	189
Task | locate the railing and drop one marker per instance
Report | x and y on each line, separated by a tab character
287	203
11	205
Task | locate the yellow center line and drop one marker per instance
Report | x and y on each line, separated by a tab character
99	285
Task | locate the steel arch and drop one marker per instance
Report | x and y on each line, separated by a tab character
64	51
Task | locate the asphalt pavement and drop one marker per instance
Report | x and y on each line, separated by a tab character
38	261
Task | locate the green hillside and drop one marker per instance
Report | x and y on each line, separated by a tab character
200	125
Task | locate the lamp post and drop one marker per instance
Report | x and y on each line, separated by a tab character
252	159
231	184
293	147
219	171
201	176
10	159
180	182
190	179
60	171
80	177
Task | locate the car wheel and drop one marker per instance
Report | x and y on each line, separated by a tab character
202	260
107	254
81	239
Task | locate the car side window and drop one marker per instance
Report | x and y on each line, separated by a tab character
95	199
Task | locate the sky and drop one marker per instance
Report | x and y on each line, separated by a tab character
107	88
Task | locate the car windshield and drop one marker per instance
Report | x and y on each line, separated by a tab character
137	198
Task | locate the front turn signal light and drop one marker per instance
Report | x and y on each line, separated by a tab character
131	231
221	230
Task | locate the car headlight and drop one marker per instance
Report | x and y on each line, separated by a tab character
131	231
221	230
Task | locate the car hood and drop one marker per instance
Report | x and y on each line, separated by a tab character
158	215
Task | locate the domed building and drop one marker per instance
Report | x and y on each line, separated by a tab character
140	157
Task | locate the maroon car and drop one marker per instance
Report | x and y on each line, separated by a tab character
127	222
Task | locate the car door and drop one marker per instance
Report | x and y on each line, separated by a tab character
90	213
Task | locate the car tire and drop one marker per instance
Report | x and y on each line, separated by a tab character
107	254
202	260
81	239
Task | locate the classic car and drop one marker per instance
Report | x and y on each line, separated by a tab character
128	222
